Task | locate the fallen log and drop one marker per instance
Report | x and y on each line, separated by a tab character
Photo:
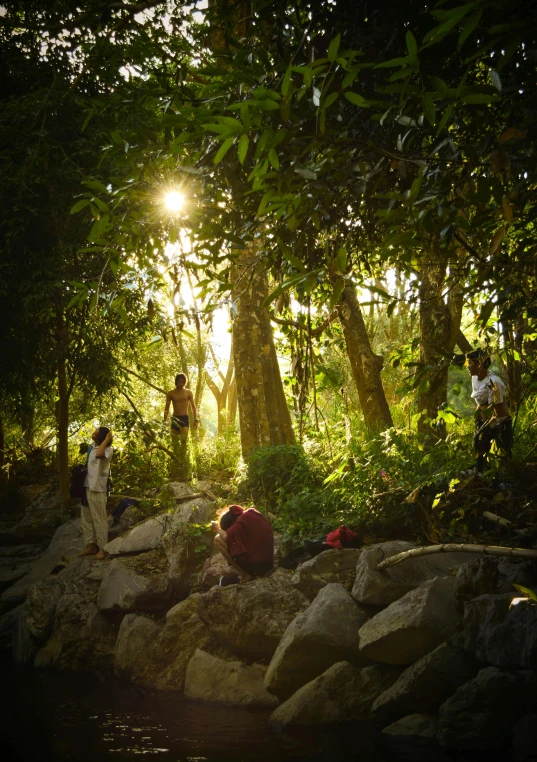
428	550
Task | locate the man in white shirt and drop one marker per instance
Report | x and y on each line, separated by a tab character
94	516
492	419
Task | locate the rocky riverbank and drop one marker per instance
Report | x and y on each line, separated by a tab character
433	652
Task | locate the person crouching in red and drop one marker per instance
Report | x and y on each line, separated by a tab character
244	537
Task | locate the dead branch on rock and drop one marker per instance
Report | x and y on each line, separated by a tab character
485	550
497	519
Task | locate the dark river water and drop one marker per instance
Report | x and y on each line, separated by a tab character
52	717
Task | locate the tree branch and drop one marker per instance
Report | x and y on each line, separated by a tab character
316	331
148	383
486	550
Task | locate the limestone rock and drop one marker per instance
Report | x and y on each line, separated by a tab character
501	634
343	693
157	656
136	637
226	682
381	588
185	553
525	739
251	618
127	520
198	511
326	633
137	584
82	576
141	538
330	566
212	570
481	713
12	569
414	730
489	575
425	685
413	625
66	543
23	647
82	640
8	623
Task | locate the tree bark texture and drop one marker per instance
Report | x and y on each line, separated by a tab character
436	335
263	413
365	364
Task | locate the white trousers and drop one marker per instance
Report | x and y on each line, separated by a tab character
95	519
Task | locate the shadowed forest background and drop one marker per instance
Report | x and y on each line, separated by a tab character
355	205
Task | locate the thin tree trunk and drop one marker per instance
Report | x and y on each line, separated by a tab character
62	409
365	364
2	447
263	412
435	334
232	395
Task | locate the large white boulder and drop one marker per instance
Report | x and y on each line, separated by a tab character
135	584
141	538
341	694
326	633
65	545
226	682
251	618
381	588
413	625
330	566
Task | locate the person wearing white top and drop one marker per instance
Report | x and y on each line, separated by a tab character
94	516
493	422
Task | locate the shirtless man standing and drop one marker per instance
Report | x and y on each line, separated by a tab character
180	398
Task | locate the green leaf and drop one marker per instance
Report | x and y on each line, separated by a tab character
349	78
526	591
471	22
356	99
453	18
242	150
288	255
479	99
428	107
245	116
394	63
274	160
116	137
268	105
330	99
495	79
96	186
286	81
80	205
411	44
333	48
341	260
446	116
306	173
336	294
224	148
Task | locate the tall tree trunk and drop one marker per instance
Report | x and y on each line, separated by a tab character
62	420
28	422
435	336
232	404
365	364
263	412
2	448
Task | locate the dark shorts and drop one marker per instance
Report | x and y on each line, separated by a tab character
256	570
180	422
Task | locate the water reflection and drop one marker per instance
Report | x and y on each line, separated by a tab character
56	717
